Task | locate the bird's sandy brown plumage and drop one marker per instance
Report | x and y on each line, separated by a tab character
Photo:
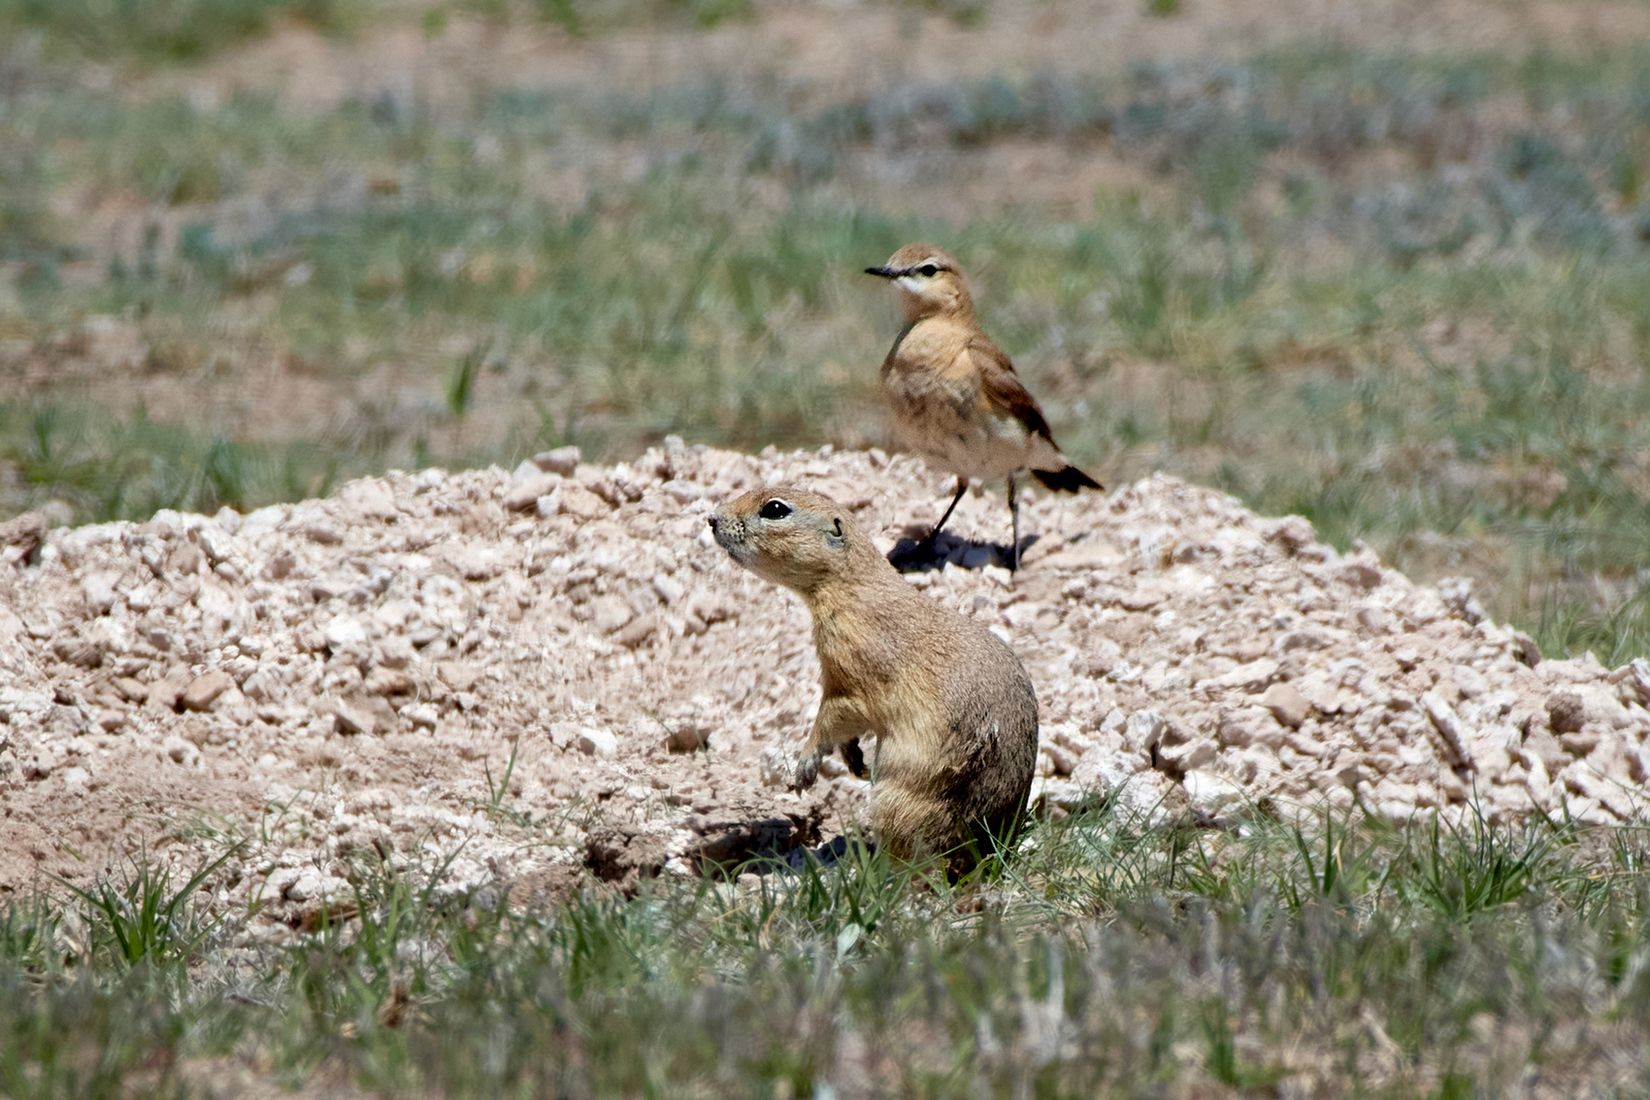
955	396
951	706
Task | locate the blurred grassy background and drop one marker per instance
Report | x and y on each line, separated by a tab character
249	247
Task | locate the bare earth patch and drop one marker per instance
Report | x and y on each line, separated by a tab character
357	674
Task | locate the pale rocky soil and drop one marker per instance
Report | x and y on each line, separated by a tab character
342	677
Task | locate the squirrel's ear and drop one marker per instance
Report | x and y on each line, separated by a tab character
835	537
838	522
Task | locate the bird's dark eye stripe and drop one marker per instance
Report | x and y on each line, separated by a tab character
775	509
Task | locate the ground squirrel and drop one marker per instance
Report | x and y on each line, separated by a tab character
952	708
955	396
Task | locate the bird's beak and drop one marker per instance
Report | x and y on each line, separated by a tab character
885	272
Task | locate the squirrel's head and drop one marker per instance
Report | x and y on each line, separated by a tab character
930	281
789	536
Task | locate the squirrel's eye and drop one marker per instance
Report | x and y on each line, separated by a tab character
928	271
775	509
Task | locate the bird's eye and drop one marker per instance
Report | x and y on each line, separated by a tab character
928	271
775	509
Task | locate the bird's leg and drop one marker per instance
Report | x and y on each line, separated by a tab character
962	487
1014	510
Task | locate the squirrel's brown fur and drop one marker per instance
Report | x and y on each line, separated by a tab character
952	708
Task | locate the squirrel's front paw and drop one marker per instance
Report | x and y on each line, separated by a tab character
807	771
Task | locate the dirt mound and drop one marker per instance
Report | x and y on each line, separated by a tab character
530	673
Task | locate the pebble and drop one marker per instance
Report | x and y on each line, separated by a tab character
597	742
575	500
181	751
345	630
525	493
562	460
203	690
1286	704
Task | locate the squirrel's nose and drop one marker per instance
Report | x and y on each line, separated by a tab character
712	521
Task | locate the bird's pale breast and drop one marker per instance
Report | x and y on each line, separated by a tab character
940	412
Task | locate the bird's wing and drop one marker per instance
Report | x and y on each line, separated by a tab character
1001	390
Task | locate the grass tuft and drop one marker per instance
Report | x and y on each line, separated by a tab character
144	920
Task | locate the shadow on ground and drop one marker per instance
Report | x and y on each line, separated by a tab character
915	553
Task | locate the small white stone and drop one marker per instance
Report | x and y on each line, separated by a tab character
1143	730
562	460
776	766
279	880
1022	615
668	588
305	886
528	491
610	613
594	741
1450	728
422	715
345	630
1469	680
683	491
1209	794
181	751
1244	726
1196	753
98	590
1063	793
262	521
1250	678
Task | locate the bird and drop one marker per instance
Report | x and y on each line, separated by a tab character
954	394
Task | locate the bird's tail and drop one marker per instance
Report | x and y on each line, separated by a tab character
1068	480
